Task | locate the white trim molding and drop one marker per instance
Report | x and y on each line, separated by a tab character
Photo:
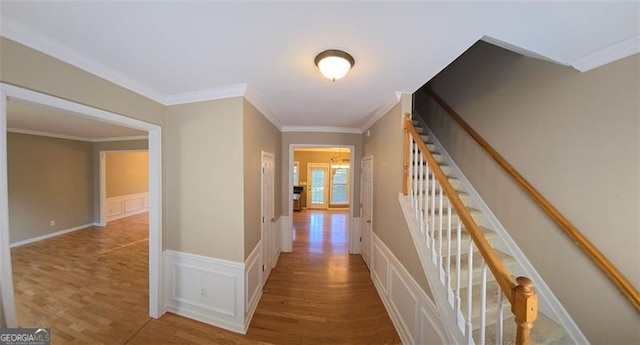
608	54
71	137
389	103
50	235
218	292
412	312
156	292
206	289
321	129
126	205
21	34
252	284
206	95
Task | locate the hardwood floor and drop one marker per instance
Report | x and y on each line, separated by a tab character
319	294
90	286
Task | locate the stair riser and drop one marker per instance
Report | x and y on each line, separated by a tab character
457	185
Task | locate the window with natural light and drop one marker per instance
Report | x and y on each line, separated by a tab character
296	168
339	185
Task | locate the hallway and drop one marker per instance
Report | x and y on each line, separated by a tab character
318	294
91	287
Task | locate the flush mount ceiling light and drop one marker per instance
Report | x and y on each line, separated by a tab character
334	64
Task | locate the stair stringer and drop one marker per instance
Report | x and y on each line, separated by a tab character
548	302
438	291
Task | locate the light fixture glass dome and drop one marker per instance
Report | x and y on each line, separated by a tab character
334	64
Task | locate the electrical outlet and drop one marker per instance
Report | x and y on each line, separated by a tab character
203	292
52	222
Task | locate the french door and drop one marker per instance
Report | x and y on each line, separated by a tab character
318	185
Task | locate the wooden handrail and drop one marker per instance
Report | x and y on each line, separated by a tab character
495	265
620	281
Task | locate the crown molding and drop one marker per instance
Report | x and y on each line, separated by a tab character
19	33
252	95
609	54
389	103
206	95
134	137
71	137
322	129
47	134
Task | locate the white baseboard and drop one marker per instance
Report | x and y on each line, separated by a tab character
53	234
206	289
412	312
252	284
126	205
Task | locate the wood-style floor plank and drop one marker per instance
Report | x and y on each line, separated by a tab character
90	286
318	294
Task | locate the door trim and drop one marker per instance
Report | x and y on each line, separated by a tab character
287	229
363	221
156	289
265	241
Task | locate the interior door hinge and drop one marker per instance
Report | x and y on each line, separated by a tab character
263	219
262	268
360	239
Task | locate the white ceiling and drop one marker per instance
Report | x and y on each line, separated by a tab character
37	119
178	52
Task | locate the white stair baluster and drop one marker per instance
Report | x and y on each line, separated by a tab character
448	266
459	318
500	323
483	303
440	226
420	191
433	217
469	330
425	215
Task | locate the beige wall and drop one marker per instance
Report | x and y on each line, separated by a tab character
575	137
258	134
306	157
28	68
312	138
385	144
127	173
121	145
49	179
203	179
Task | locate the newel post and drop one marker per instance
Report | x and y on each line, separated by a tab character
525	309
405	155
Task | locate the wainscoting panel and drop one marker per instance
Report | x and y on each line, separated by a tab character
253	288
206	289
412	312
126	205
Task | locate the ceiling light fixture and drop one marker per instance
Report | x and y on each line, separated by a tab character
334	64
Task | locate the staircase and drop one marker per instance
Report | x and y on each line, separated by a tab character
473	307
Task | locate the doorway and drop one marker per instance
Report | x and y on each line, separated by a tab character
155	269
318	185
337	180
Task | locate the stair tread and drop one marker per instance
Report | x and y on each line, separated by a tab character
491	306
505	258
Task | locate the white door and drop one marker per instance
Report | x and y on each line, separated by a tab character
318	185
268	231
366	211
